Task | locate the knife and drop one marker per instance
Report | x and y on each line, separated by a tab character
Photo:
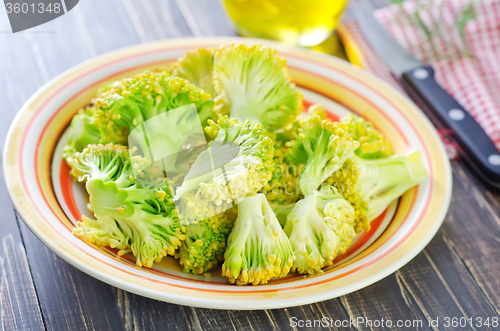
418	81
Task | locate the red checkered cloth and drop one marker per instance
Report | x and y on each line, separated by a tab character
466	60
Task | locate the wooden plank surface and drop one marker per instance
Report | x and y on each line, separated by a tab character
455	276
19	308
69	299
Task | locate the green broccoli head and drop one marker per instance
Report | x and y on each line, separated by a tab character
288	133
252	83
340	216
82	132
172	138
319	227
134	100
113	162
197	67
205	243
372	144
257	248
345	180
107	234
245	172
321	147
140	219
106	162
381	181
283	188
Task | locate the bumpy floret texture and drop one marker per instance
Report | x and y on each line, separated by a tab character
320	147
197	67
134	100
91	230
345	180
257	248
288	133
127	103
112	162
372	143
282	191
247	171
141	220
320	227
82	132
252	83
205	242
283	188
105	162
273	191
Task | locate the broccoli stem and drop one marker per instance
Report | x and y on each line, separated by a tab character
381	181
258	249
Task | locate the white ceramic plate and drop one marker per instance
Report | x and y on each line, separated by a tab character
50	203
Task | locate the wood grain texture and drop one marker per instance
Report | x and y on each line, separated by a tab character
70	299
388	299
441	285
456	275
19	307
472	229
60	303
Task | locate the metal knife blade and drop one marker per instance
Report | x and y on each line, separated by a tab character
395	56
419	82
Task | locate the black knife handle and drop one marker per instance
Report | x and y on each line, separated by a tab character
477	147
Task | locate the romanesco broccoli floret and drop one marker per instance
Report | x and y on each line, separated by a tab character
303	184
257	248
205	242
381	181
112	162
108	234
137	219
283	188
197	67
313	110
345	180
320	226
247	171
134	100
105	162
320	147
372	144
370	185
82	132
288	133
252	83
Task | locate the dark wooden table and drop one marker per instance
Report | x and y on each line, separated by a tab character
456	276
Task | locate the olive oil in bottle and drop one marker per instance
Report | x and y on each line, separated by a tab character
299	22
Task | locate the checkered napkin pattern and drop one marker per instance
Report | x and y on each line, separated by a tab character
460	39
